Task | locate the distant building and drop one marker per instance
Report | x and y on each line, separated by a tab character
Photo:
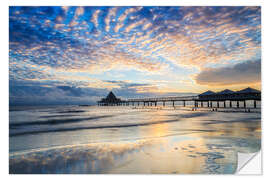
110	100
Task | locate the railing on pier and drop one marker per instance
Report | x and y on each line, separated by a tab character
181	98
231	98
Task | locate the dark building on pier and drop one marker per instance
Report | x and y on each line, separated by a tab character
110	100
207	95
228	95
248	93
245	94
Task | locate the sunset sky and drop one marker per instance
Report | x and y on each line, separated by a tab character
76	55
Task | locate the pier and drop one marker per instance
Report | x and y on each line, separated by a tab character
209	99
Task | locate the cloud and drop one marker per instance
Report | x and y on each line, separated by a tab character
95	17
242	73
123	17
46	93
69	46
134	25
136	87
27	92
184	36
110	17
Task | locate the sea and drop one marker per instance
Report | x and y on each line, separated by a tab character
72	139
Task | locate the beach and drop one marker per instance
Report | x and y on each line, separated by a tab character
129	140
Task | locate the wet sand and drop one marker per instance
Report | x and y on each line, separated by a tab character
174	141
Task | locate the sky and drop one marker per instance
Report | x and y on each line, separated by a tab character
76	55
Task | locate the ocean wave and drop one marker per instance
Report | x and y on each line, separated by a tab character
71	111
104	127
251	119
56	116
190	115
56	121
90	127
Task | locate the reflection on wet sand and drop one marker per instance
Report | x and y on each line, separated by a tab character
189	142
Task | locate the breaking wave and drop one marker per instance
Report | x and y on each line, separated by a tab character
90	127
56	121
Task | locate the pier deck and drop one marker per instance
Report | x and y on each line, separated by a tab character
210	99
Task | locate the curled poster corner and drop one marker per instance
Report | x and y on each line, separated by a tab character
249	163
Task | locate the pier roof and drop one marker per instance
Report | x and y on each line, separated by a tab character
248	90
111	98
207	93
226	91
